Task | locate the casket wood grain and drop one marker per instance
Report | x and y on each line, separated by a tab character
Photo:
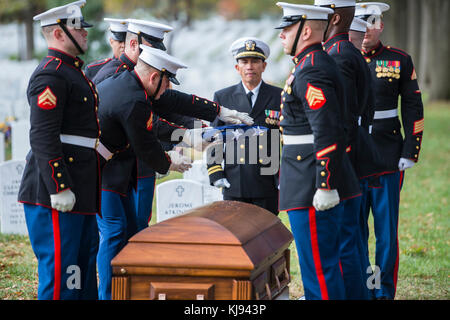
226	250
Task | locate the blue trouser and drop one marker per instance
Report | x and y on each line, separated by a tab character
351	251
116	226
316	235
65	245
384	200
144	201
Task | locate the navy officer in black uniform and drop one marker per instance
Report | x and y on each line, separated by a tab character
393	75
241	180
60	185
129	101
118	32
315	174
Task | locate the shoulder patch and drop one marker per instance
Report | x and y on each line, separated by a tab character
47	99
315	97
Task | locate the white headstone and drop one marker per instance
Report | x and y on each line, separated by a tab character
12	215
199	173
2	147
20	139
175	197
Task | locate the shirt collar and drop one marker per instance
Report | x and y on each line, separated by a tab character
255	90
66	58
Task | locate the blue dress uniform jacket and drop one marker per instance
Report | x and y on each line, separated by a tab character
313	102
62	101
393	74
359	108
126	120
245	178
91	69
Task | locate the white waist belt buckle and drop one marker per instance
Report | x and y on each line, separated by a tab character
301	139
386	114
86	142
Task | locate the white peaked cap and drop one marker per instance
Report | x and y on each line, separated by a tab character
161	61
359	25
68	11
117	25
371	8
150	28
310	12
335	3
250	47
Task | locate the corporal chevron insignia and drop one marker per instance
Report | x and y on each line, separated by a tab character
315	97
47	99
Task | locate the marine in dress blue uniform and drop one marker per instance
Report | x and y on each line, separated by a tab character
315	174
126	122
393	75
60	185
118	31
245	180
357	86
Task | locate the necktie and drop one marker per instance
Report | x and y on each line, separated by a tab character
249	97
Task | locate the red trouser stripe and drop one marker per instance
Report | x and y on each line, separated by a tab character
316	253
398	249
57	247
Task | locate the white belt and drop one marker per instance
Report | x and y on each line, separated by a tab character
393	113
359	124
91	143
303	139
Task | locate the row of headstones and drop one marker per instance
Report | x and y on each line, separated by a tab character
173	197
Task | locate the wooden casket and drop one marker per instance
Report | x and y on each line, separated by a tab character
227	250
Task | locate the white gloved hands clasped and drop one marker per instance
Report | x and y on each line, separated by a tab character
194	139
234	117
179	163
63	201
222	183
325	199
404	164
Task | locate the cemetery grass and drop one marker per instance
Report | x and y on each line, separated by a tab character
424	270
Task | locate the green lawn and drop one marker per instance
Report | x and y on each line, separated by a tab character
424	270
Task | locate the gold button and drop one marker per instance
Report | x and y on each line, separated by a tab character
368	60
124	66
261	161
417	147
284	99
242	159
415	156
322	163
418	139
70	159
85	99
281	129
324	185
323	174
281	118
395	131
281	106
197	99
59	175
56	164
96	109
373	52
261	147
282	92
242	146
206	102
390	80
299	158
62	185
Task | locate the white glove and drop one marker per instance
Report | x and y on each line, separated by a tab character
404	164
193	138
222	183
325	199
234	117
179	163
63	201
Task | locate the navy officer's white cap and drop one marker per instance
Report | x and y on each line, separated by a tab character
335	3
151	31
359	25
364	10
161	61
293	13
250	47
68	12
118	28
